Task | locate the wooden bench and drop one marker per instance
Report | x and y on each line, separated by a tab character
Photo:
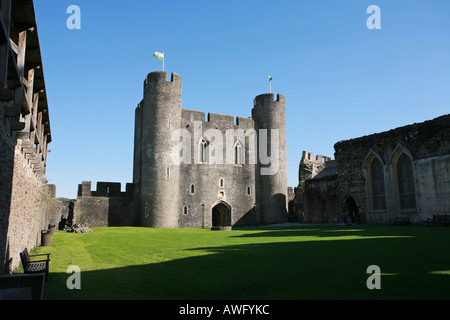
400	221
36	266
438	220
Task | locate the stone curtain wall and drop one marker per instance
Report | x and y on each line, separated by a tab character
427	144
106	207
25	202
7	145
29	211
96	212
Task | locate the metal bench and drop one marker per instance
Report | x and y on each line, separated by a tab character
36	266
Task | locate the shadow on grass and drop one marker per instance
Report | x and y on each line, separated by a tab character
304	268
329	231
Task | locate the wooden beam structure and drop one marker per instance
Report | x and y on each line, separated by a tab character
22	87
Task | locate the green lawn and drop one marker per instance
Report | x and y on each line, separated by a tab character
302	262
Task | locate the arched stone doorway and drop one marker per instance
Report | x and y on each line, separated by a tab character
221	216
352	210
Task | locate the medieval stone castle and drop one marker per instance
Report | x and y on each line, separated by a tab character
218	184
192	172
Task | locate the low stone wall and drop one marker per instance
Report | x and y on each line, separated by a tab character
105	207
96	212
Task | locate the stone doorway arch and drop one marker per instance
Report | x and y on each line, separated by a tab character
352	209
221	216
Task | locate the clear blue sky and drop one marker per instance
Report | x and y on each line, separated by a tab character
341	80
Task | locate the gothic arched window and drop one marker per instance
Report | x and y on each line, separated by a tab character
239	156
204	151
377	179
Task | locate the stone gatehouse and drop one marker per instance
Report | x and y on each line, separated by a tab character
218	182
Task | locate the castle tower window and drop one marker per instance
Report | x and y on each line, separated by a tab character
406	183
239	155
204	151
378	191
192	189
185	210
107	190
222	183
248	191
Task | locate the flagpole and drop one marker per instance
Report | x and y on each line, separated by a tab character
164	58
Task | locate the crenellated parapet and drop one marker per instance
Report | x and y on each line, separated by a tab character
106	189
159	78
268	100
313	158
311	165
215	120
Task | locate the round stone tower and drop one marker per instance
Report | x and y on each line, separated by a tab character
160	114
271	172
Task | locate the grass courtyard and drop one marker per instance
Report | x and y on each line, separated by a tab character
297	262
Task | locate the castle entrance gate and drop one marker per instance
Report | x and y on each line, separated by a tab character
221	216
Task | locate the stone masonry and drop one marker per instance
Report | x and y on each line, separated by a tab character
424	146
404	172
25	198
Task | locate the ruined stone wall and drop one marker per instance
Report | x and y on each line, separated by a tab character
310	166
320	201
106	207
427	144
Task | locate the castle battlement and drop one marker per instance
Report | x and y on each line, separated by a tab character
217	120
105	189
317	159
160	77
268	98
221	119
